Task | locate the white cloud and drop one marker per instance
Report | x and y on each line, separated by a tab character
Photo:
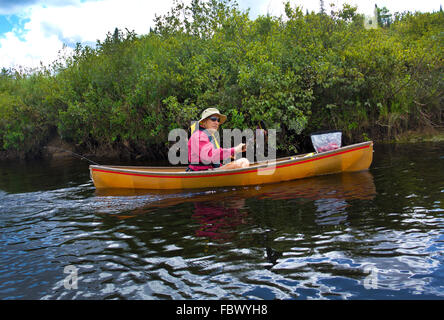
90	21
29	51
49	27
57	22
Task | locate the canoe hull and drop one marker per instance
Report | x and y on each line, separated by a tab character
352	158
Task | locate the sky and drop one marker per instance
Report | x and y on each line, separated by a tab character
34	32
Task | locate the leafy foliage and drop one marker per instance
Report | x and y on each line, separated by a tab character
299	73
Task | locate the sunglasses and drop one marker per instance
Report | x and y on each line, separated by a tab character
215	119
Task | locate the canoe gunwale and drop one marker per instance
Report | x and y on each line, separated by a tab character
286	161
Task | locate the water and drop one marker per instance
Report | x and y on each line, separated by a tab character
371	235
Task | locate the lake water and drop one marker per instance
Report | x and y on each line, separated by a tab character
370	235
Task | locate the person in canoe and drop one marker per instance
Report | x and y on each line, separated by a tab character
204	152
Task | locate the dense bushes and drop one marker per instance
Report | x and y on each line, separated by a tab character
299	73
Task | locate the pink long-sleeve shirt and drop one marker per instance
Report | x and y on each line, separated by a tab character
202	154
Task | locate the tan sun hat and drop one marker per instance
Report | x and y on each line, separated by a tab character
213	111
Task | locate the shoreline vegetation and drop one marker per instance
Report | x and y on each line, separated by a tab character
299	73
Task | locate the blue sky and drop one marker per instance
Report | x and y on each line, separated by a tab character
34	31
7	23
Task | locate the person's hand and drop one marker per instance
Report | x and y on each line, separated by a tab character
241	147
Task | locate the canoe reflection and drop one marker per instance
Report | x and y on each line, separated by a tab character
347	185
220	211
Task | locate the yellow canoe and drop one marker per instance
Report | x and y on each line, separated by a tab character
351	158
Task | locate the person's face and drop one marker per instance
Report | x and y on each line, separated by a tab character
212	123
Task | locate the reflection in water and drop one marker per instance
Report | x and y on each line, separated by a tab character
375	234
330	211
222	211
218	220
219	210
357	185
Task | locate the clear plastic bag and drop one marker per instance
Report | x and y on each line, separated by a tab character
326	141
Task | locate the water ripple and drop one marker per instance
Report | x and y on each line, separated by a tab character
377	234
